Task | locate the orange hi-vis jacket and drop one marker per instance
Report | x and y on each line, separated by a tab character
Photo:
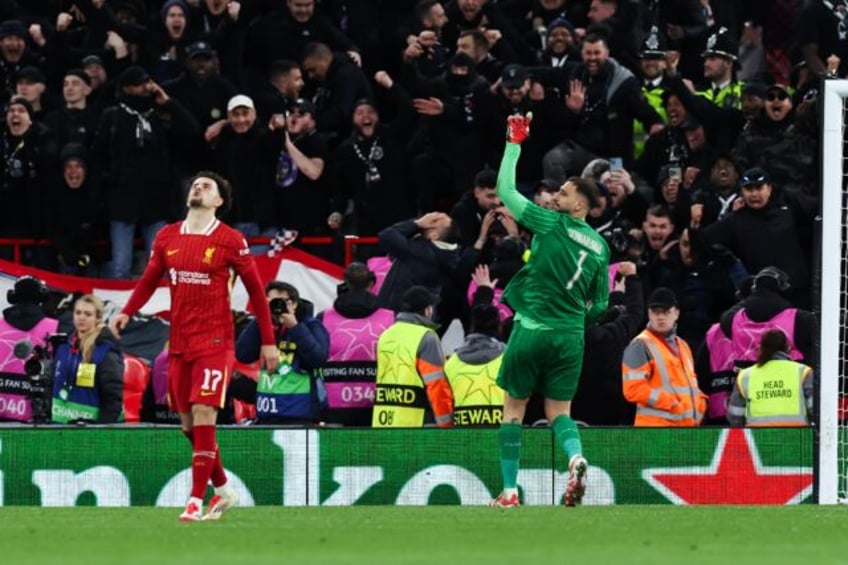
658	375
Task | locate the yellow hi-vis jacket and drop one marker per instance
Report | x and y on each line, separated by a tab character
774	393
478	400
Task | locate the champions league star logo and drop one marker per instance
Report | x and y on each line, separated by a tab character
736	475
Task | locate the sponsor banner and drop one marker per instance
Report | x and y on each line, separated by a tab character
119	466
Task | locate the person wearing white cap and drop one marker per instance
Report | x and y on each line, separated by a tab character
244	150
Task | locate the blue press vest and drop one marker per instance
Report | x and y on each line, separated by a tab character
72	402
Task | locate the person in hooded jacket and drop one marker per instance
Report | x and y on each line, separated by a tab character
766	308
354	323
27	150
473	369
74	210
88	381
166	40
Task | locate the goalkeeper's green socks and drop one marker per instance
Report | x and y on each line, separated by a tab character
566	436
509	439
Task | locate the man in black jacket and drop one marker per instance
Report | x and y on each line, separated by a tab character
132	151
285	33
422	254
338	83
767	228
599	400
245	151
604	98
369	168
278	94
204	93
77	120
473	205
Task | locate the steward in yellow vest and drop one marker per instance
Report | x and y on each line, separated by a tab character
411	386
473	369
776	391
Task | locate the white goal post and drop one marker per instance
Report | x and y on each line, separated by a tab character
832	453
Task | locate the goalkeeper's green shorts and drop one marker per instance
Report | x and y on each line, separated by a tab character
547	362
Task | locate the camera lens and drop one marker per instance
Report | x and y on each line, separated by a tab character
278	306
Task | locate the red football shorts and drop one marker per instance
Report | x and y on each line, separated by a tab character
202	379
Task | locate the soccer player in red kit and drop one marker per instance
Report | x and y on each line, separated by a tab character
198	256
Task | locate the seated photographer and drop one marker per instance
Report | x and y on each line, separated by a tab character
88	382
23	327
291	394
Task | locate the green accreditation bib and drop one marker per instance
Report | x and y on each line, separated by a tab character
65	411
285	380
85	375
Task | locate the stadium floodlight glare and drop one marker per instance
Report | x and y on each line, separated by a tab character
832	467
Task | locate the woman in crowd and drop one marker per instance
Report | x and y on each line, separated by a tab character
88	380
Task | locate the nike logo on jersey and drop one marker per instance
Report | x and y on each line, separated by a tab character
172	252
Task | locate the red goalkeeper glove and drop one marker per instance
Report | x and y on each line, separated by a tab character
518	127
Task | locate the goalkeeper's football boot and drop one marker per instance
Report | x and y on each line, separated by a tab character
226	498
503	501
576	481
193	511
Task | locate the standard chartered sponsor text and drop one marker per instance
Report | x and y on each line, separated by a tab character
193	277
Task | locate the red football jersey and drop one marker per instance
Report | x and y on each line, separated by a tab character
200	270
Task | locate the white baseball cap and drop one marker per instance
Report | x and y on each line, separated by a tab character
240	100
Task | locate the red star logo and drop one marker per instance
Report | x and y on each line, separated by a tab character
735	476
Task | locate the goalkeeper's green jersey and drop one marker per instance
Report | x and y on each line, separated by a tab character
565	283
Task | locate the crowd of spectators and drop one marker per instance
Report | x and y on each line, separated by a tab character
697	117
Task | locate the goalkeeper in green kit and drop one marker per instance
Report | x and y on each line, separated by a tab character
561	289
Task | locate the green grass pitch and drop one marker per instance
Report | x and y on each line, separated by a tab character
371	535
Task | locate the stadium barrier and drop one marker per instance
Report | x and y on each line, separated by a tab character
147	466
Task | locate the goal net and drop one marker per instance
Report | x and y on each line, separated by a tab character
832	476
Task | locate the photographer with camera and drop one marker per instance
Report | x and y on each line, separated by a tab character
24	327
88	378
292	394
